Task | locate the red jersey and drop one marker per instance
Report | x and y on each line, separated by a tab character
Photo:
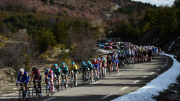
94	62
36	72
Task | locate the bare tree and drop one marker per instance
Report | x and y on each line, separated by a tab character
85	47
16	55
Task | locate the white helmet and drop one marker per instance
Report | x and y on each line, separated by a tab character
21	70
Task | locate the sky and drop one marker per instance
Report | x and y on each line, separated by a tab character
158	2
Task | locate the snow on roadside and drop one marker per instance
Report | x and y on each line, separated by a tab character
160	83
104	51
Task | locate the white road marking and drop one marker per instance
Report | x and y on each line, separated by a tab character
14	88
106	96
124	88
163	67
119	74
158	69
135	67
152	72
136	81
144	76
94	82
49	99
8	94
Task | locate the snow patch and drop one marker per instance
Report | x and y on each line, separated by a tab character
160	83
104	51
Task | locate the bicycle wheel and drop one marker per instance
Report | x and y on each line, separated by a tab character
27	98
102	74
47	90
58	88
21	95
34	93
64	85
72	84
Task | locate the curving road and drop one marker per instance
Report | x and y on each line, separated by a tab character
129	79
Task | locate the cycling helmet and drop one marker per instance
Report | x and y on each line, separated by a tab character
73	63
83	63
55	65
89	62
34	69
63	63
21	70
47	69
94	59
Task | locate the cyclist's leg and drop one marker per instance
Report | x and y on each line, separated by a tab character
39	84
75	73
66	80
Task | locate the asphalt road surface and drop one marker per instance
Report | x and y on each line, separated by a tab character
129	79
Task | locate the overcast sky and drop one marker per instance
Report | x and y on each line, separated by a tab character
158	2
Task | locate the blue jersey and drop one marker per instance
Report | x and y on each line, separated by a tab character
24	78
84	66
90	65
64	69
49	74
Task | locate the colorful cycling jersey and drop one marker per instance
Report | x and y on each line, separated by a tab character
48	74
73	67
24	77
64	69
95	62
36	73
84	66
104	61
90	65
58	70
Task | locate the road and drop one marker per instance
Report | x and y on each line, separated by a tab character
129	79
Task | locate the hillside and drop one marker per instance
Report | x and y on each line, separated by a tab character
86	9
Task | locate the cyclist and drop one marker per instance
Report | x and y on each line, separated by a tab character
36	75
84	68
96	67
49	74
64	69
90	66
24	79
115	64
109	63
57	73
73	69
104	63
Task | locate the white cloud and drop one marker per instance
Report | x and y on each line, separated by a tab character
158	2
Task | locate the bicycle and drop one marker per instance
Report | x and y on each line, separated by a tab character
22	92
115	68
63	82
73	81
35	90
102	72
49	88
86	78
95	75
56	85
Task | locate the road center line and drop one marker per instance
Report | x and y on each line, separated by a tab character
124	88
119	74
106	96
49	99
136	81
135	67
144	76
152	72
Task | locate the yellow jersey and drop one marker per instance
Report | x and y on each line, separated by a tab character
73	67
